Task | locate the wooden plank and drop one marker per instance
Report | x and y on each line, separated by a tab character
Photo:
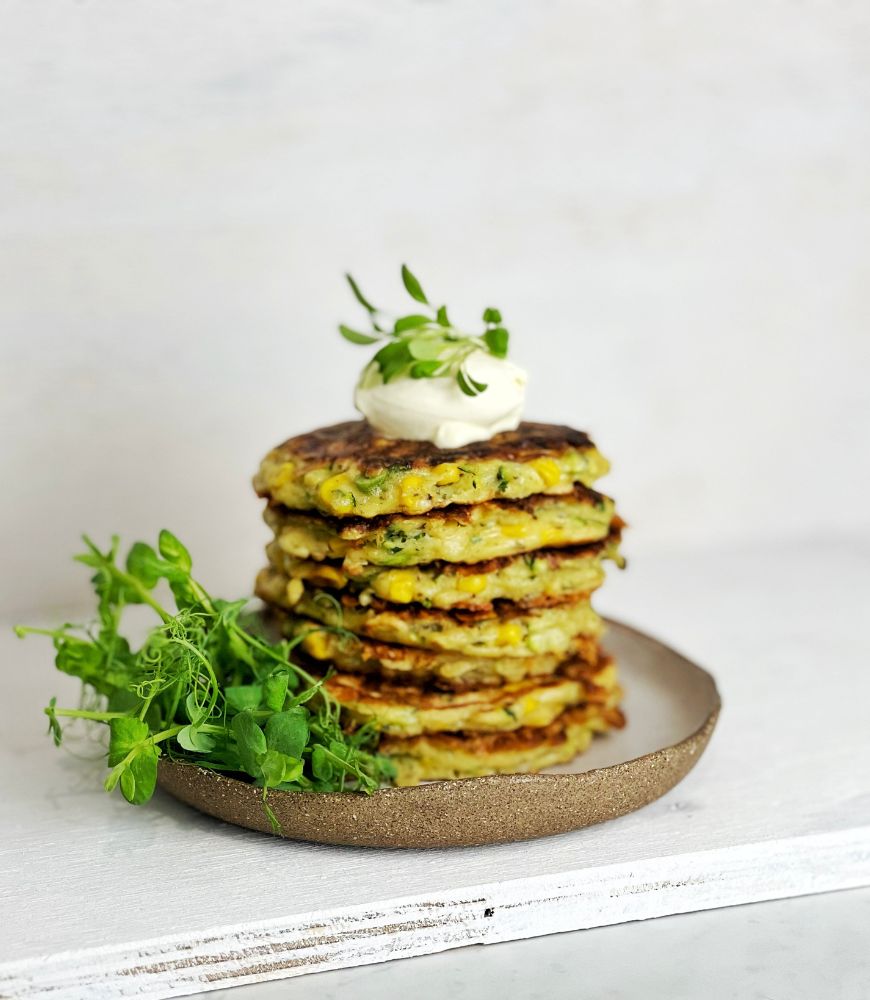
523	908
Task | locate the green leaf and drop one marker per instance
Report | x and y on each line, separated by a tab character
441	317
277	768
272	767
78	658
412	286
288	731
197	742
243	696
129	737
321	765
139	778
355	337
128	785
491	316
275	690
173	551
393	359
413	322
468	385
425	369
184	592
125	734
143	563
358	295
123	700
496	340
426	347
195	711
89	559
307	694
250	742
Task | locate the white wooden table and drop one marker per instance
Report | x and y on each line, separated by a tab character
102	900
804	948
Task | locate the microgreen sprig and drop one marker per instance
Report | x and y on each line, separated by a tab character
206	686
426	345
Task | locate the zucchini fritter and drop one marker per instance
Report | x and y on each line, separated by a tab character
348	469
511	632
459	534
532	579
407	665
403	710
448	755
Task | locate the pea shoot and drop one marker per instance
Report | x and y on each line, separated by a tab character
426	345
206	686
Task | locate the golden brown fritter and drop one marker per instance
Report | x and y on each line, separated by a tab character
461	534
505	631
350	470
405	710
450	755
531	579
407	665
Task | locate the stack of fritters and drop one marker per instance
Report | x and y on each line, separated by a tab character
464	576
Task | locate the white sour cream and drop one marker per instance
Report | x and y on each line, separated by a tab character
437	410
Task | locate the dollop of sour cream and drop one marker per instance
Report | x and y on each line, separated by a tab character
437	410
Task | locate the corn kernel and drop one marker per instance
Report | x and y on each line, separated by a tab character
335	493
446	474
548	470
294	591
283	475
552	536
316	645
510	634
474	583
413	493
514	530
412	484
400	587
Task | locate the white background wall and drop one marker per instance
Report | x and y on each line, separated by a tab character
669	201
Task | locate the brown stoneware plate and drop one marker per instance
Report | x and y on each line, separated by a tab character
671	704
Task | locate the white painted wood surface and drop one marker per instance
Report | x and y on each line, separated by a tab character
803	948
94	890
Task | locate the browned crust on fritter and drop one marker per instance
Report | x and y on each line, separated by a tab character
351	527
552	558
376	657
356	441
370	690
524	738
359	689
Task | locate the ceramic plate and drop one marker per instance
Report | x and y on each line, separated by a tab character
671	705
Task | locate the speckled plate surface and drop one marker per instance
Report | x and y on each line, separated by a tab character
672	706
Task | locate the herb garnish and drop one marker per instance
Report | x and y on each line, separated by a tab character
426	345
205	686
